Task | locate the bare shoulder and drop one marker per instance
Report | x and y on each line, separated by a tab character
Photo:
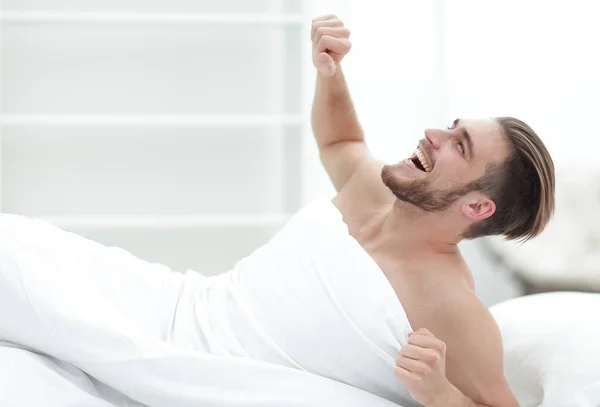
474	353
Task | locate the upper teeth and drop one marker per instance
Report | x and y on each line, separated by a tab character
422	160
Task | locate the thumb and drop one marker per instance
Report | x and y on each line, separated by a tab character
325	64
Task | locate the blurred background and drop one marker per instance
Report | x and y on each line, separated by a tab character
180	129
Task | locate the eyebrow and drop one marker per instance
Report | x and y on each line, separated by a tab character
467	137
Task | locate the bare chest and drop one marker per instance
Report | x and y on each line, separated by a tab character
422	282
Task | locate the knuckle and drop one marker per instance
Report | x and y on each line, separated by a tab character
322	17
432	357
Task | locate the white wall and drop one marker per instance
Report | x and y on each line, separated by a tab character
531	59
178	140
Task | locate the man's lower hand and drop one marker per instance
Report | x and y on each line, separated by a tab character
422	367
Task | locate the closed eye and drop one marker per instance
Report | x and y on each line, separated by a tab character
466	138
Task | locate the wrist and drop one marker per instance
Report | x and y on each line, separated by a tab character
336	76
450	397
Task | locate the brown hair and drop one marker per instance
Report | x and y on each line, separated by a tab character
522	187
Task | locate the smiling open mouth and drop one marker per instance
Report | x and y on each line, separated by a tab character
419	161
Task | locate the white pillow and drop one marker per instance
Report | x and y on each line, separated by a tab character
552	348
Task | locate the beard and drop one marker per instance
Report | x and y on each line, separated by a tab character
420	193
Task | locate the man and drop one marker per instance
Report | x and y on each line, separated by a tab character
341	292
475	178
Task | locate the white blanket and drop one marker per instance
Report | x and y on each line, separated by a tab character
32	379
54	302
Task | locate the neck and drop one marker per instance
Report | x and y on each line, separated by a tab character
411	228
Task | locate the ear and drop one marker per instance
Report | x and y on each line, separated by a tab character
478	210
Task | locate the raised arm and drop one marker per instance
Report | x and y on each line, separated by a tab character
334	121
355	173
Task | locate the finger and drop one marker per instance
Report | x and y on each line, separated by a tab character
325	23
339	46
415	366
325	64
405	375
325	17
419	353
338	32
426	341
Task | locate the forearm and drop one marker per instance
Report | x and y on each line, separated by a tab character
333	115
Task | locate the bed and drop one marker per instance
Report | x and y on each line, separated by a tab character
552	359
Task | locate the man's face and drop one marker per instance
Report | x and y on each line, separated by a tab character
446	164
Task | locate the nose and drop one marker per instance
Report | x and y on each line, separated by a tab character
433	137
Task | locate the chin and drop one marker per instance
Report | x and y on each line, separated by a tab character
398	177
389	173
401	171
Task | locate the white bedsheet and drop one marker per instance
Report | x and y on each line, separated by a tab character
31	379
53	300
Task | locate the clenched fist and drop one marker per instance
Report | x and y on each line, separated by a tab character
422	367
330	43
